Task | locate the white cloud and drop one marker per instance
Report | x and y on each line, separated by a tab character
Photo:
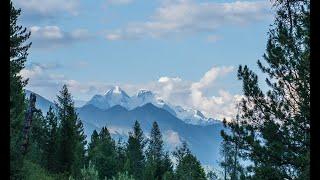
210	76
53	36
183	16
47	83
172	139
118	130
42	9
113	37
47	32
188	94
193	94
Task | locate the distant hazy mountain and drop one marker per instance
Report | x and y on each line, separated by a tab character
204	140
41	102
116	96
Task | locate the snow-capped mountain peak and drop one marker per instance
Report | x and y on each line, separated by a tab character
117	96
116	90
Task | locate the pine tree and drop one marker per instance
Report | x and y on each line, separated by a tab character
94	141
121	155
226	163
103	155
155	154
37	140
276	124
71	136
231	150
135	163
18	56
188	166
167	167
51	149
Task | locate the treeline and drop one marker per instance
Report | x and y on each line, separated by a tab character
57	147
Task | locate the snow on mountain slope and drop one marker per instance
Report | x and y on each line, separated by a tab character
116	96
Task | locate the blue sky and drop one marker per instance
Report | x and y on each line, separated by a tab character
195	46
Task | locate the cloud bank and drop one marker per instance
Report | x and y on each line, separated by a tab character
35	10
189	94
187	16
52	36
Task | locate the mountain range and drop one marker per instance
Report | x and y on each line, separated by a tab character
118	111
116	96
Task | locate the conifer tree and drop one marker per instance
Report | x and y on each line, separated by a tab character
121	156
167	167
276	124
51	149
188	166
135	163
18	55
71	136
155	154
231	149
103	155
37	140
94	140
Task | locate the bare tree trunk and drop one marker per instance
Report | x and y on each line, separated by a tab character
27	122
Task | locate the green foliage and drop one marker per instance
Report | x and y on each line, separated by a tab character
231	150
135	162
18	55
274	129
52	144
33	171
89	173
211	175
121	156
103	154
37	139
123	176
155	155
188	166
71	152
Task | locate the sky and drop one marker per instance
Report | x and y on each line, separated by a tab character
186	51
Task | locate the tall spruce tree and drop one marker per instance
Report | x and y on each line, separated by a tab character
94	140
135	163
71	137
18	55
276	124
188	166
103	155
155	155
37	140
51	149
121	155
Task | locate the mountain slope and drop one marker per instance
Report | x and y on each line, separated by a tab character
41	102
116	96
